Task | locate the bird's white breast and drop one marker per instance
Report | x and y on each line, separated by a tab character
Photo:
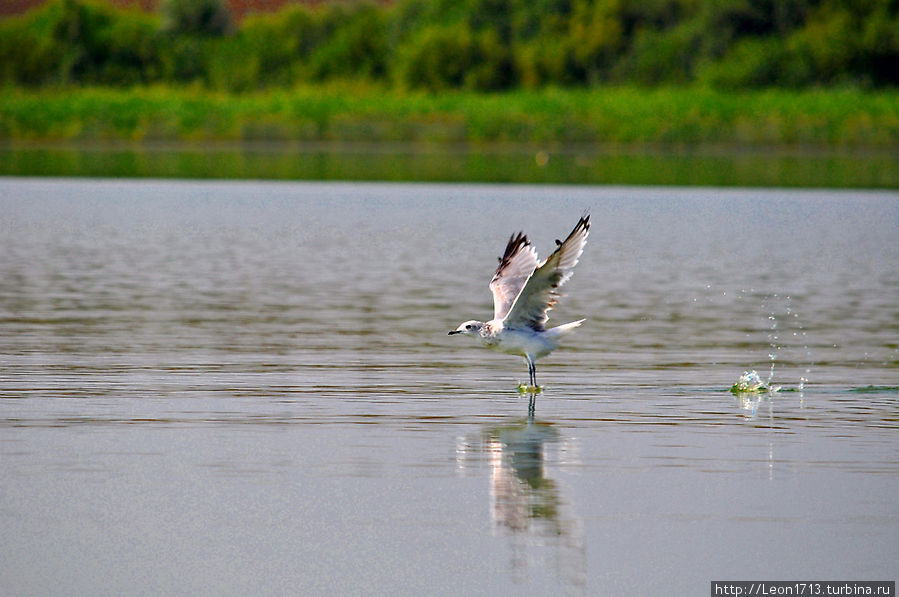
518	341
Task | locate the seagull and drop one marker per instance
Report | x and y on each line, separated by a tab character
524	290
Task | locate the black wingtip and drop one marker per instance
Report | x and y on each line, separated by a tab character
515	244
582	224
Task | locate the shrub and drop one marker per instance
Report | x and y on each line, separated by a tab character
453	57
131	51
24	57
878	55
357	48
662	57
549	61
197	17
753	62
69	42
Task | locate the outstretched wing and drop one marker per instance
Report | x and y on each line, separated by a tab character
540	291
515	267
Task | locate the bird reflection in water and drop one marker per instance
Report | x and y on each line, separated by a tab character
527	505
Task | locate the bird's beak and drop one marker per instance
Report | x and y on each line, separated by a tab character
451	332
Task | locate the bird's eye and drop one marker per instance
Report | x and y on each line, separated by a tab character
468	327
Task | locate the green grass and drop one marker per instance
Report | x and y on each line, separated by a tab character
839	118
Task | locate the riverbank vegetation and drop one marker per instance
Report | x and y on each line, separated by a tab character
818	73
846	118
481	45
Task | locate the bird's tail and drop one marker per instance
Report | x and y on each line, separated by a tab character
559	330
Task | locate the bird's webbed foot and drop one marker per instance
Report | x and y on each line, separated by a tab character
529	389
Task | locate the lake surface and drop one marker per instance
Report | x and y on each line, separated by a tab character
246	388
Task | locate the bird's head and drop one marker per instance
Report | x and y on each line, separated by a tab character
469	328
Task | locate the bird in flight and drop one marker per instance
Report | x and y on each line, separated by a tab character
524	290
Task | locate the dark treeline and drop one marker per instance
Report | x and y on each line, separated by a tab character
469	44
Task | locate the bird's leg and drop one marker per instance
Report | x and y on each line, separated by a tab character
532	378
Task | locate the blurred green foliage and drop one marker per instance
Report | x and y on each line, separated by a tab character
553	117
460	44
196	17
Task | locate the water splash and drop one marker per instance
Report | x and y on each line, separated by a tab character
751	383
801	335
772	335
786	341
786	333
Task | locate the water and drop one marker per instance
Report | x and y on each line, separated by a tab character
215	388
710	166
